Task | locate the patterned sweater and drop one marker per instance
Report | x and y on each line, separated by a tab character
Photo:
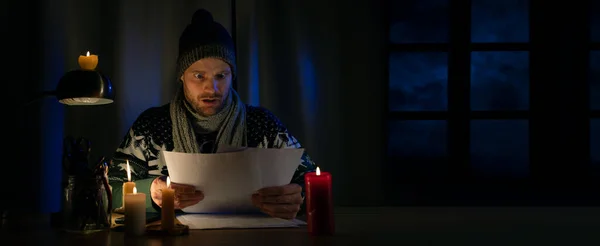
152	132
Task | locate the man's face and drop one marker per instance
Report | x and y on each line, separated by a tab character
206	84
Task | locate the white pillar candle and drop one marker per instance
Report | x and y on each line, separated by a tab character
135	213
127	186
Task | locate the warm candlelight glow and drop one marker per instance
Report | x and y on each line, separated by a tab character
319	203
168	207
135	213
128	172
88	62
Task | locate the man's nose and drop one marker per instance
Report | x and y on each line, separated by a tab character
210	85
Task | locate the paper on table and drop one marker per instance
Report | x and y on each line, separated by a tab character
218	221
229	179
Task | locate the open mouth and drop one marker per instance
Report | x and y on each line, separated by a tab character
210	101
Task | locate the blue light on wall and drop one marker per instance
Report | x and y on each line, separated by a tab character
253	87
309	87
51	131
140	83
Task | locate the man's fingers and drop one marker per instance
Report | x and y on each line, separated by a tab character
280	190
182	188
280	208
156	196
288	199
286	216
196	196
255	200
184	204
186	200
285	211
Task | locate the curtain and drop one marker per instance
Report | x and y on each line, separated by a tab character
320	67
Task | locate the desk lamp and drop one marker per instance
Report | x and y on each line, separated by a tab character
84	86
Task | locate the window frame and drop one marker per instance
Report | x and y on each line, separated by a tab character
459	114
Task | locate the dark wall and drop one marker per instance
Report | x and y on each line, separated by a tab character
22	82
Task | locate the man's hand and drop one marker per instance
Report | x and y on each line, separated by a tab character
185	195
280	201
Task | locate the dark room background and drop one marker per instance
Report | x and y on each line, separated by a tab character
430	102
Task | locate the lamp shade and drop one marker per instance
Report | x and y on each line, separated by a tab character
84	87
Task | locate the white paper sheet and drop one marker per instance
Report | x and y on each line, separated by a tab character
217	221
229	179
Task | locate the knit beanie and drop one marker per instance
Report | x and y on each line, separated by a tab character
204	38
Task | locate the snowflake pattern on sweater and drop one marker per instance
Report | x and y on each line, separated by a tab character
151	133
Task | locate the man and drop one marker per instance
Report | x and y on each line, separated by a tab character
205	113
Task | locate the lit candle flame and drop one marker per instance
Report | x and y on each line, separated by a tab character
87	54
318	171
168	182
134	190
128	172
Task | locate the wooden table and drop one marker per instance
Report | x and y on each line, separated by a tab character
378	226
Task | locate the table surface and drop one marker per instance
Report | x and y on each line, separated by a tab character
377	226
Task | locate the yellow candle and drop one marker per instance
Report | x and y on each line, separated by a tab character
135	213
168	207
127	186
88	62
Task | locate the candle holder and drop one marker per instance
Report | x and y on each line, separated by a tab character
87	198
177	230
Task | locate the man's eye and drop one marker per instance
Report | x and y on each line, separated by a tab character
199	76
221	76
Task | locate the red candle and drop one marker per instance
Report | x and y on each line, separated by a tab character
319	203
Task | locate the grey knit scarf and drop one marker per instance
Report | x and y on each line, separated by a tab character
230	123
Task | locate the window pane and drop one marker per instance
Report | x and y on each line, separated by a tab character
500	80
595	21
418	81
499	21
595	80
417	148
595	145
419	21
500	148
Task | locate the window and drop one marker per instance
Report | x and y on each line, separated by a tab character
499	80
594	79
595	145
471	101
415	21
595	21
418	81
594	87
499	21
422	118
